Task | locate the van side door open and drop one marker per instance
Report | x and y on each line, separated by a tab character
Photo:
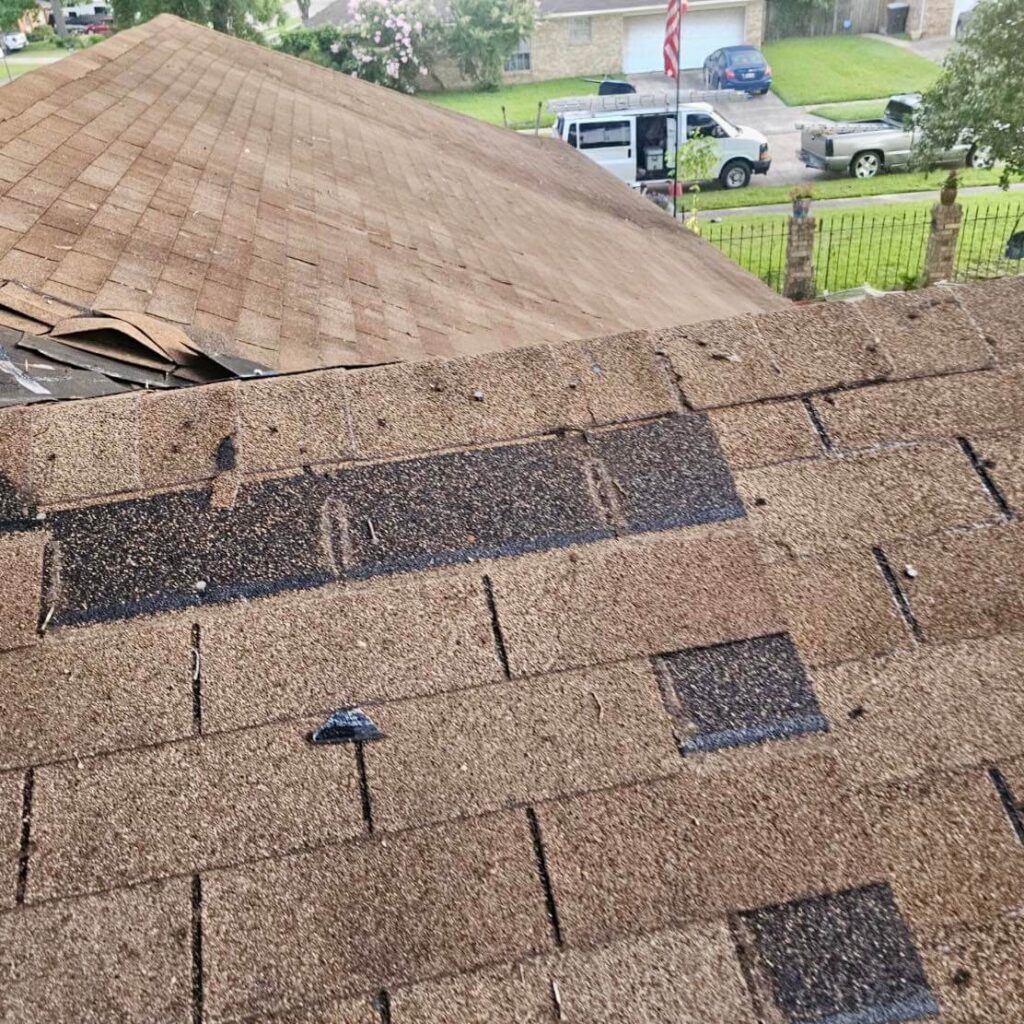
656	147
609	143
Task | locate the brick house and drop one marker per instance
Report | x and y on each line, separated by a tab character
585	37
935	17
575	37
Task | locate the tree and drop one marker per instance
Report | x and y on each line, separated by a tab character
11	12
483	34
387	41
304	6
235	17
980	91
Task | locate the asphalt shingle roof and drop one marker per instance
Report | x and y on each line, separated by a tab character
317	220
700	683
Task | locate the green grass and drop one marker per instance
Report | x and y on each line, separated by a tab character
843	188
882	245
835	69
20	68
520	101
41	49
860	110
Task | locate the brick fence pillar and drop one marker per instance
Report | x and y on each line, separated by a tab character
940	259
799	282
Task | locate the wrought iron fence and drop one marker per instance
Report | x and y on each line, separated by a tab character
991	243
886	251
760	246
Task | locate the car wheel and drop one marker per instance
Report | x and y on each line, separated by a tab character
980	157
735	174
865	165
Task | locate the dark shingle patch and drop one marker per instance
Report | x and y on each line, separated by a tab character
842	958
16	511
738	693
668	473
451	508
171	550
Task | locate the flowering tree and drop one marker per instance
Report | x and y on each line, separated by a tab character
483	34
390	41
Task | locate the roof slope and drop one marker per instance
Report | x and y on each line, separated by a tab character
700	681
320	220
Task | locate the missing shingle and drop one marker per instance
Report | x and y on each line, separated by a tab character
499	639
226	457
365	801
985	477
197	680
898	595
197	950
1014	811
26	836
839	957
382	1004
819	426
545	877
738	693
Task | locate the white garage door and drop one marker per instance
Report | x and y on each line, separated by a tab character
703	31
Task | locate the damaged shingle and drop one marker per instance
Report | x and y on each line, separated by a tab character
346	725
738	693
842	958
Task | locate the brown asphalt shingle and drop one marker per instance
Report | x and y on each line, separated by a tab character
618	707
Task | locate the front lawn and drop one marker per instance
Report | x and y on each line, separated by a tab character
520	101
861	110
882	245
844	188
834	69
20	67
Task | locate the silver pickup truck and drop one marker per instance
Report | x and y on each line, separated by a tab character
863	148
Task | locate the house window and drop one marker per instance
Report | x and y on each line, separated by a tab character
580	30
520	59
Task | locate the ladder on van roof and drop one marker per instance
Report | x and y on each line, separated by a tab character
639	101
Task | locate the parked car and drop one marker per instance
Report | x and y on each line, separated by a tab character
14	41
97	28
637	142
738	67
864	148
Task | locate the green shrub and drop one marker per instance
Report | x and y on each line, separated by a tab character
42	34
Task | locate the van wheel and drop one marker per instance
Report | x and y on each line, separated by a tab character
865	165
735	174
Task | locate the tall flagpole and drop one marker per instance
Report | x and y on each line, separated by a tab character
679	128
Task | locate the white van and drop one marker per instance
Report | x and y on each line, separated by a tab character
639	145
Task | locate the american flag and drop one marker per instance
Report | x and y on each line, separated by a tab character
676	9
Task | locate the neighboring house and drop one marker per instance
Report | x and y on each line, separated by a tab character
582	37
576	37
935	17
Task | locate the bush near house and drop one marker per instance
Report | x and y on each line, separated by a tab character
833	69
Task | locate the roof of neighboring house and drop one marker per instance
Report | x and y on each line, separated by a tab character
697	656
318	220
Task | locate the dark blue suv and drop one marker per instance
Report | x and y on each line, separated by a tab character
738	67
